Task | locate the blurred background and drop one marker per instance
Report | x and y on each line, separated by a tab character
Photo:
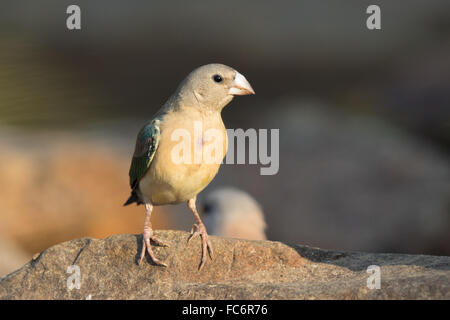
364	117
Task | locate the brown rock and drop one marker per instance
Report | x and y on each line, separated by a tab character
242	270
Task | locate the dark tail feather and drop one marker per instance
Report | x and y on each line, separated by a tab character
133	198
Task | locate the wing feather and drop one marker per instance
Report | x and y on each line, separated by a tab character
146	144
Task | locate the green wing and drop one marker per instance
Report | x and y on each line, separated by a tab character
146	145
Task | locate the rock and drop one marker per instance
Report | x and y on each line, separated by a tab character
242	269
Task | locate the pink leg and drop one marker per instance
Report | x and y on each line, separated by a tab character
147	235
200	229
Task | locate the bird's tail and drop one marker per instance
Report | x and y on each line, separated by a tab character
133	198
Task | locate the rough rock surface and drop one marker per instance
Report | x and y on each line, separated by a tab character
242	270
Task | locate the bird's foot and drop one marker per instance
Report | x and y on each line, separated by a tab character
206	243
148	235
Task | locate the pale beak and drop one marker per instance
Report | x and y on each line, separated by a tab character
240	86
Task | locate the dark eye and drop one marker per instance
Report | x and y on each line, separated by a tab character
217	78
207	209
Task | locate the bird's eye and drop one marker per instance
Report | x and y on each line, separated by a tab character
217	78
207	209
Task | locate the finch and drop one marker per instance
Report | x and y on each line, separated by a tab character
179	151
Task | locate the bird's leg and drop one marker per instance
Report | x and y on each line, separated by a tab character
200	229
147	235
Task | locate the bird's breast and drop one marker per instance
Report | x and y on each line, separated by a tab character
188	157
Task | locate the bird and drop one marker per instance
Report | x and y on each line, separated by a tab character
162	172
230	212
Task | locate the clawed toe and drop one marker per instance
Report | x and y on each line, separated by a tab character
159	242
210	250
200	230
193	233
146	246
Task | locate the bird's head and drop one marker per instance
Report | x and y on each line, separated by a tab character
213	86
230	212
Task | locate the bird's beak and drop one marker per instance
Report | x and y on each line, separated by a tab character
240	86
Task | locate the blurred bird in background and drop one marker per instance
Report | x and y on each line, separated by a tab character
233	213
156	178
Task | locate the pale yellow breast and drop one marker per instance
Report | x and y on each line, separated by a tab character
188	157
